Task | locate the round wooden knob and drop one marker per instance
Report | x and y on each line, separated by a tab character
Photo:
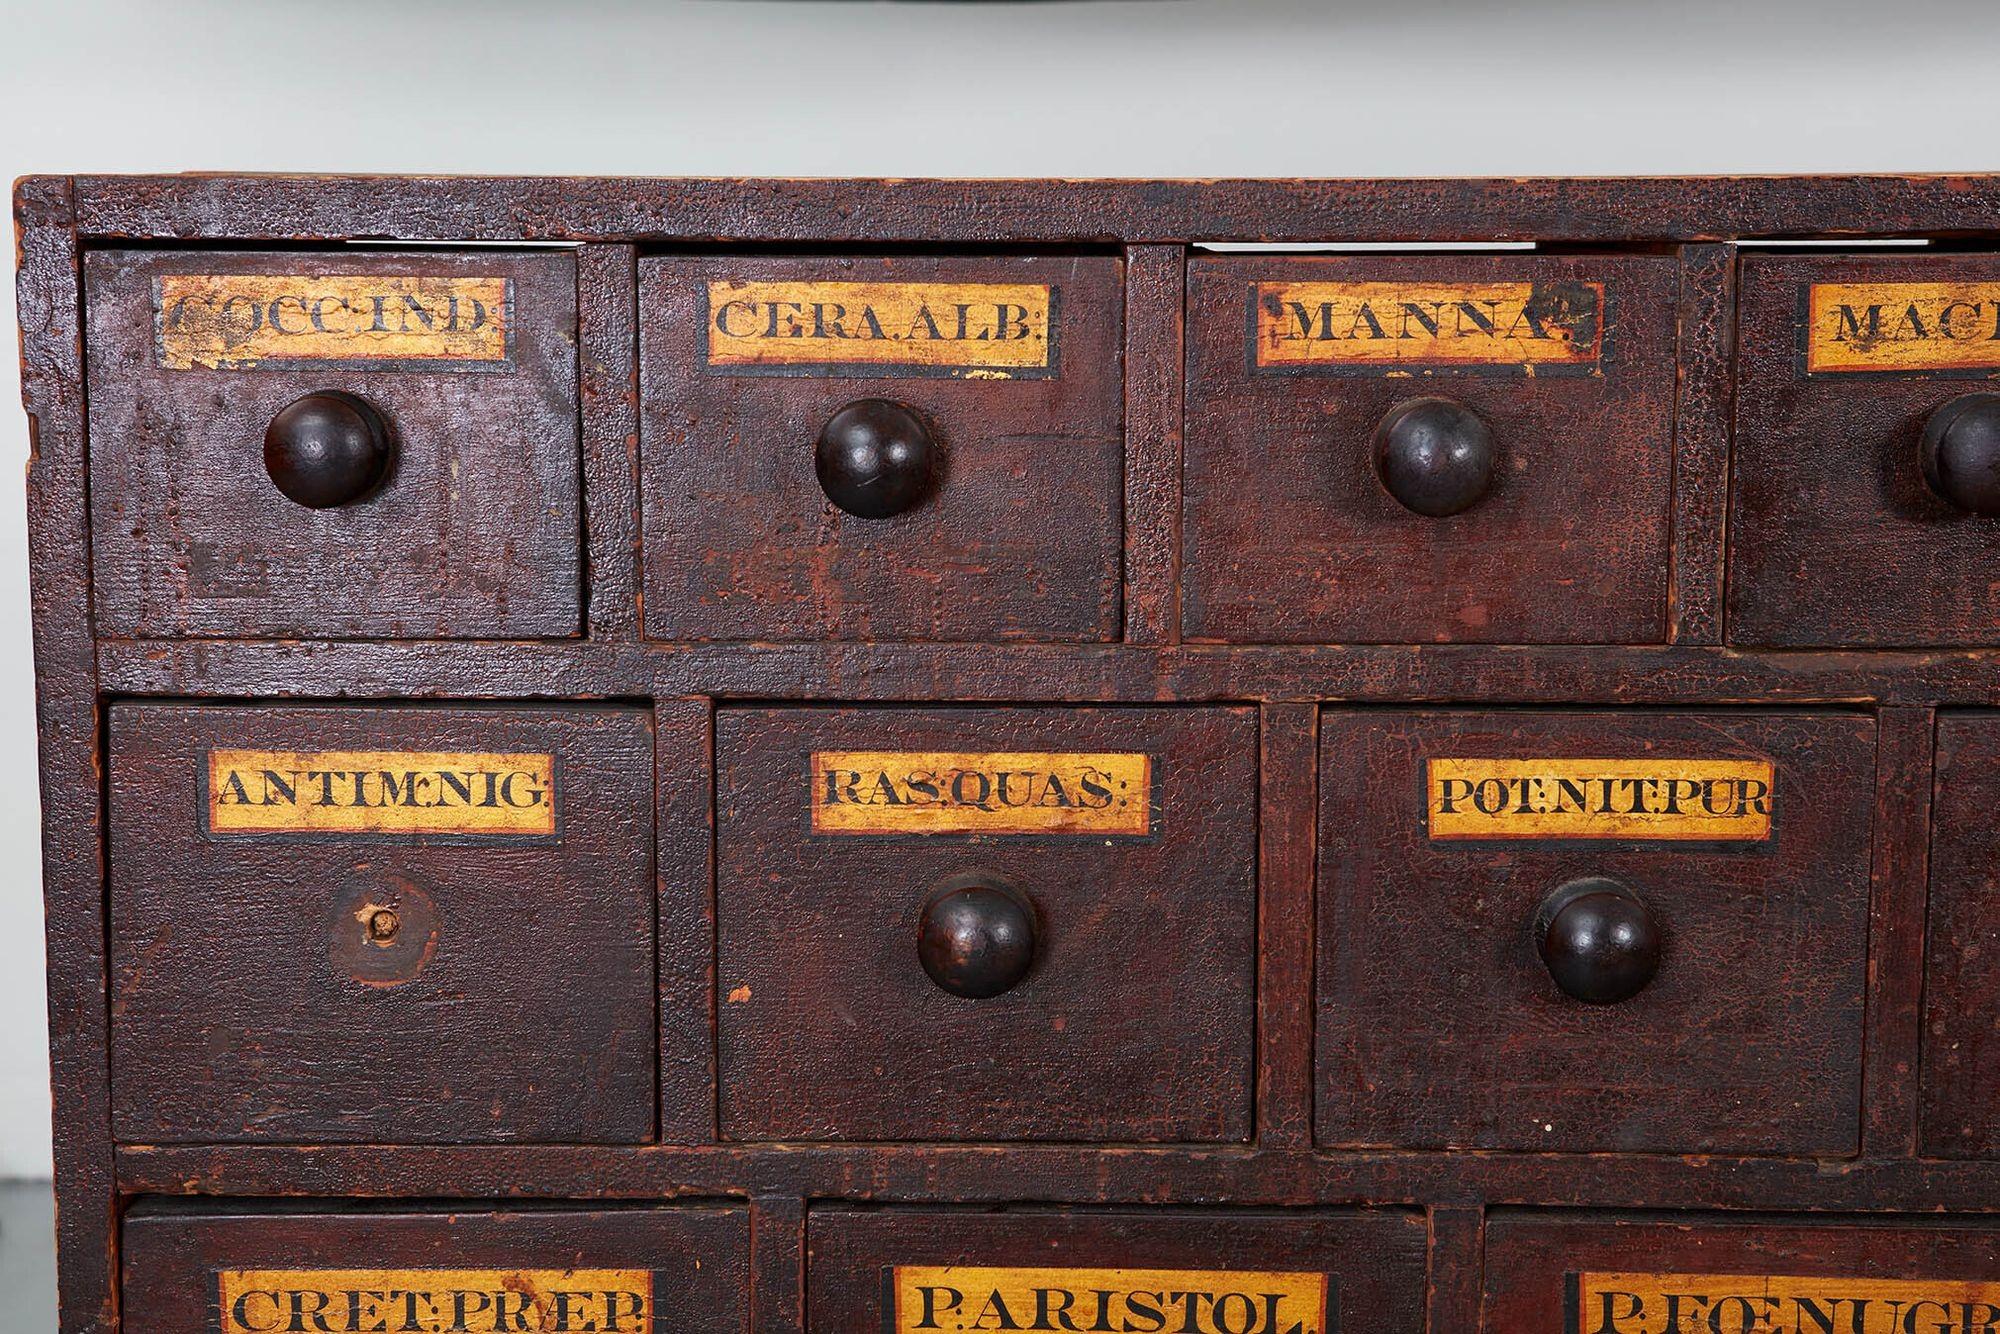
327	449
876	458
1599	940
977	936
1434	455
1961	453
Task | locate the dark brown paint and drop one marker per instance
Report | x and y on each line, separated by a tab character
512	606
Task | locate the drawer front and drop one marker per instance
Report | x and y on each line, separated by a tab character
1961	1056
554	1271
1354	474
381	924
333	445
1593	932
1844	365
901	1272
978	924
978	482
1592	1275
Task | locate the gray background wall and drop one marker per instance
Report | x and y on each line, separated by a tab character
829	87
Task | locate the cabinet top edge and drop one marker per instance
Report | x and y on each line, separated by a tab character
247	206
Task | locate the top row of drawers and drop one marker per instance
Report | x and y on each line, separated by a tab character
1377	448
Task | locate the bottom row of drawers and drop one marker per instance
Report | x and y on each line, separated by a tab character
686	1270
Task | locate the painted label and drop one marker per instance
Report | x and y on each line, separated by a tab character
379	792
1600	798
972	330
1183	1301
436	1301
980	792
1386	326
1902	327
258	321
1753	1303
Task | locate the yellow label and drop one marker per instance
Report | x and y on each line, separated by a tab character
246	321
975	330
379	792
1590	798
980	792
436	1301
1182	1301
1903	327
1386	325
1700	1303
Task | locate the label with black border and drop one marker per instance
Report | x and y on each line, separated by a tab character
964	330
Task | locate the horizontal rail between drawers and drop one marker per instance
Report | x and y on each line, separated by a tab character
1062	1174
1401	674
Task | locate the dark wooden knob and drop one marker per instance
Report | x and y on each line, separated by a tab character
327	449
876	458
977	936
1961	453
1599	940
1434	455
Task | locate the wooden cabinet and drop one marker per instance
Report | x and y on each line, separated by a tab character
1219	757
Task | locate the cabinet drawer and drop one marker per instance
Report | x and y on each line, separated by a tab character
1961	1059
986	923
980	474
381	924
333	445
244	1270
1327	397
1188	1272
1593	931
1845	363
1665	1275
